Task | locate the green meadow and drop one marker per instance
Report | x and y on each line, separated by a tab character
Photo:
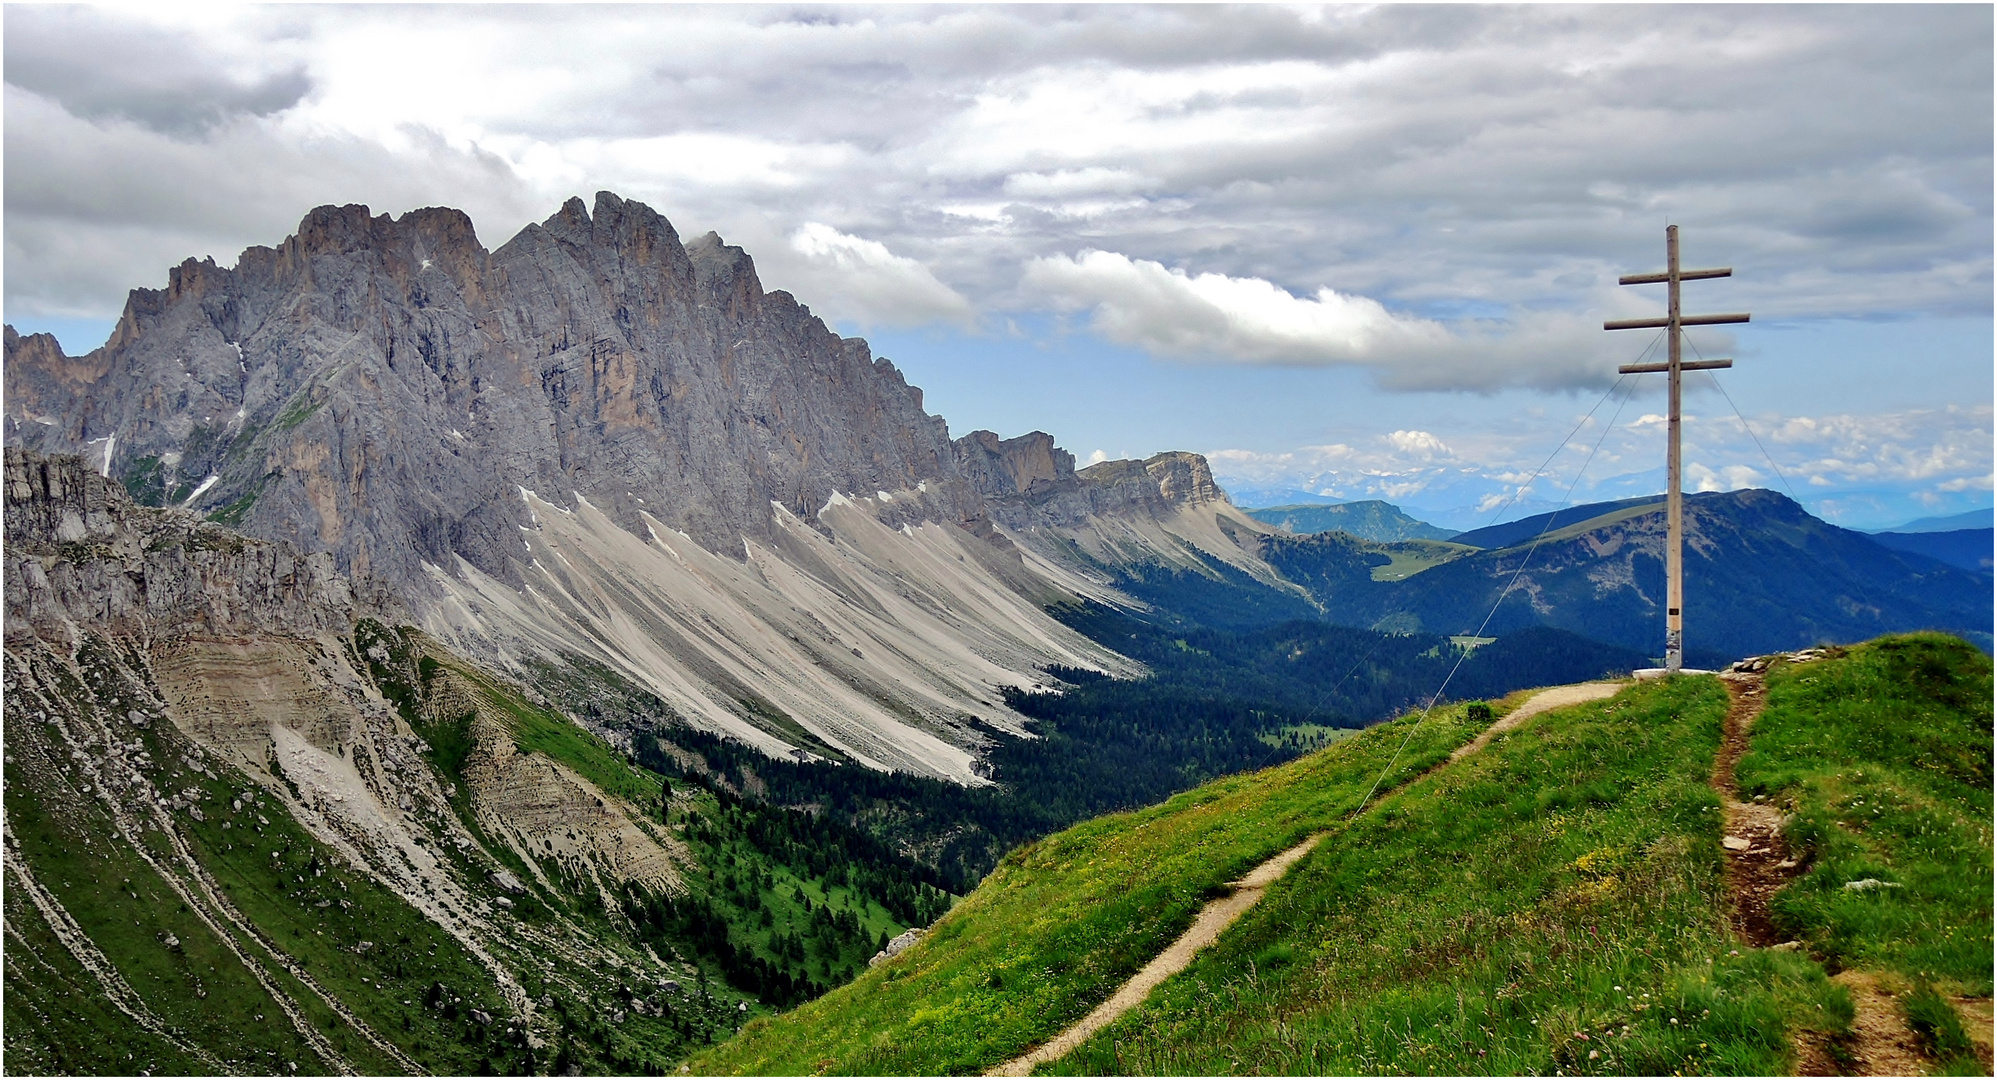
1064	920
1553	904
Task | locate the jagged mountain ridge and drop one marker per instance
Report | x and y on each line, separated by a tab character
1088	529
654	366
595	442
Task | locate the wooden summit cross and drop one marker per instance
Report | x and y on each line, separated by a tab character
1674	547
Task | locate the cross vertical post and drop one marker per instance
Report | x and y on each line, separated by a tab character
1673	324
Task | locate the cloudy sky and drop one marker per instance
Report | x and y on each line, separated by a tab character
1357	251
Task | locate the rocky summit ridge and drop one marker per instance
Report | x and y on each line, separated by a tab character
382	388
600	442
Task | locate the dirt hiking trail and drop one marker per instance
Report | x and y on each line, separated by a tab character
1881	1042
1218	915
1244	894
1557	698
1758	862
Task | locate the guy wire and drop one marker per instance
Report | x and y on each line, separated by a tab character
1550	518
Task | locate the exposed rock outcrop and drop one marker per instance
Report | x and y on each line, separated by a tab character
1085	529
80	555
1028	466
389	393
381	389
244	639
1029	482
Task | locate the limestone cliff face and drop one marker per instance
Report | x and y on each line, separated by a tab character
1085	529
1163	483
81	557
593	441
382	388
1028	481
1029	466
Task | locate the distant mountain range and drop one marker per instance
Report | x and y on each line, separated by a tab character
1967	548
1525	528
1250	494
1368	519
1968	519
1761	574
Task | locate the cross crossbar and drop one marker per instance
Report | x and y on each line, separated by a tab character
1683	320
1674	324
1683	275
1687	365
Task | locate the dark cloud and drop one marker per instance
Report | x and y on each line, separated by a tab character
96	209
99	66
1439	160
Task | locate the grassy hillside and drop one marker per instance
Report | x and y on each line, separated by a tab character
1524	529
1553	903
169	911
205	995
1883	757
1063	921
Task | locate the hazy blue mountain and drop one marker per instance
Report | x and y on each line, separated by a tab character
1506	534
1968	519
1467	517
1967	548
1368	519
1245	494
1761	574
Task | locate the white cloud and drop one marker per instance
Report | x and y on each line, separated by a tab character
1509	161
1699	477
1066	183
1844	464
1419	444
1916	446
1440	198
862	280
1212	316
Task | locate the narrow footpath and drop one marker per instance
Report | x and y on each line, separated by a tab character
1219	914
1758	864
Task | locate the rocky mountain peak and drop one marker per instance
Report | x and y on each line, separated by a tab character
1184	478
726	273
1165	483
591	441
383	388
1029	465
